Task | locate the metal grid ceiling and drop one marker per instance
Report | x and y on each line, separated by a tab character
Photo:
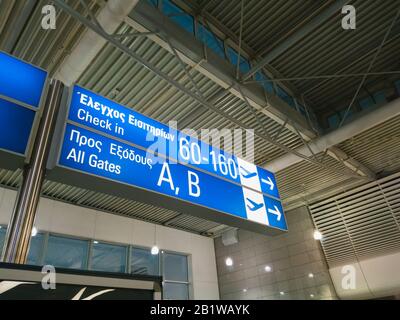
362	223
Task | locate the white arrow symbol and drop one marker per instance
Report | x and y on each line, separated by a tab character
269	182
276	212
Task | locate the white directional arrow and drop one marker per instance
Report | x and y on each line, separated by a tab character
276	212
269	182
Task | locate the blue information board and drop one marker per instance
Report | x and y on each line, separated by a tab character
96	112
93	153
21	88
108	140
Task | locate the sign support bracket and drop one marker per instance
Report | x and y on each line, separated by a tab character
22	220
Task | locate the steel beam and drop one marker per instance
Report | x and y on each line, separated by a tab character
88	47
378	116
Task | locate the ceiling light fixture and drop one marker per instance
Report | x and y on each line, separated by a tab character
34	232
229	262
317	235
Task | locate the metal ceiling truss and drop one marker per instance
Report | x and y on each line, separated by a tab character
334	152
370	67
200	12
341	74
114	39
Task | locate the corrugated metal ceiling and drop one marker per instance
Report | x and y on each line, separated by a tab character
378	148
361	223
332	49
327	50
44	48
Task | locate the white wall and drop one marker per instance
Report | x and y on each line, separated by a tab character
67	219
374	278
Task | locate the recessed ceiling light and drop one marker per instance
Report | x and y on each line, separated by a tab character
311	275
311	295
229	261
317	235
282	293
268	268
244	290
95	242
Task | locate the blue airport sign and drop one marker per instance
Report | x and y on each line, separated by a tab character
91	152
15	126
96	112
21	88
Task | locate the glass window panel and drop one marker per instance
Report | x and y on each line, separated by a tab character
333	121
302	110
380	97
268	86
108	257
285	96
3	231
67	253
36	249
244	65
366	103
143	262
175	267
349	114
154	3
176	291
397	84
211	40
179	16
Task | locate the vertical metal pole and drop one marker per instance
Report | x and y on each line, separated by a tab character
20	227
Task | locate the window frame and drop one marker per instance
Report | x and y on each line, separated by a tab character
189	282
144	248
4	227
128	257
90	252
